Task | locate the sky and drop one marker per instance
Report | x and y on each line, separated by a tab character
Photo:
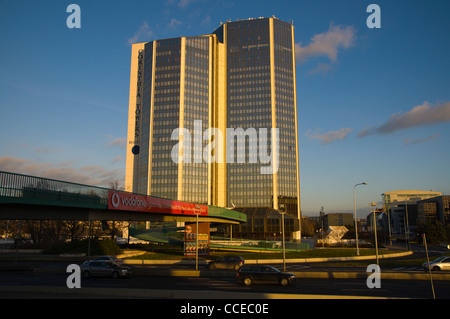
373	103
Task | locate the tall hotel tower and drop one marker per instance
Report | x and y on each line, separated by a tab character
240	77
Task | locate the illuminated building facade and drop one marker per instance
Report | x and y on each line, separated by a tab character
240	77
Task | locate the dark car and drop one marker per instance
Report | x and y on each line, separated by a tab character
227	262
104	268
251	274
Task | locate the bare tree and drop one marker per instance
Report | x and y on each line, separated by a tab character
34	229
116	185
54	230
75	229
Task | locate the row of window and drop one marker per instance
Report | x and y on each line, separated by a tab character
167	83
253	82
162	69
249	96
199	71
243	89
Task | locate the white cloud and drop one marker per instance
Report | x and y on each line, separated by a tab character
410	141
321	68
185	3
143	34
34	149
117	159
326	43
121	142
174	23
88	175
330	137
206	21
420	115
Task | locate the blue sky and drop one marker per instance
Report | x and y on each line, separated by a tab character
373	104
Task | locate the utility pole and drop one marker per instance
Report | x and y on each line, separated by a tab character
428	263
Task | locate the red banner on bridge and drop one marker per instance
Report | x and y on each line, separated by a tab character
141	203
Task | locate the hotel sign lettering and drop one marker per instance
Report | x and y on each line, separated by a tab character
138	111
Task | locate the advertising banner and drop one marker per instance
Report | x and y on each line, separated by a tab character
140	203
190	239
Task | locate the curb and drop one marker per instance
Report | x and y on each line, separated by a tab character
332	259
263	261
83	293
386	275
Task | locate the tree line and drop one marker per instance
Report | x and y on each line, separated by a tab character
38	233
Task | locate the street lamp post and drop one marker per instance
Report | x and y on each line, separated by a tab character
375	228
282	211
356	223
389	222
407	225
196	244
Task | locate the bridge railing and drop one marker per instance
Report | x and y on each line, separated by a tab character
25	188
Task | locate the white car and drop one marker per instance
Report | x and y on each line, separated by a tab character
109	258
441	263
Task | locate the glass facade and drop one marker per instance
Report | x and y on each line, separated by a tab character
196	108
249	106
285	110
166	116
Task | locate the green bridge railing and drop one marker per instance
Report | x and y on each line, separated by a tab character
18	188
26	189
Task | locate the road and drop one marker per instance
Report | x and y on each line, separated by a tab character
52	284
56	283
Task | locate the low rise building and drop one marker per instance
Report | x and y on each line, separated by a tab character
401	208
333	219
434	209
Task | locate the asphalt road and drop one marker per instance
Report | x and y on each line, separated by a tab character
24	285
53	284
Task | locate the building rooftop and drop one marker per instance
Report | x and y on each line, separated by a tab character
410	192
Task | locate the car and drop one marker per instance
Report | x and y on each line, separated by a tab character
253	274
104	268
110	258
440	263
227	262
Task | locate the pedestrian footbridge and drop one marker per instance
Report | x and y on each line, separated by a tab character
35	198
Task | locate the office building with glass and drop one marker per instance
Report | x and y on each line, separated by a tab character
241	77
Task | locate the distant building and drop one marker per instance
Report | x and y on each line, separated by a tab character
338	219
434	209
401	210
395	198
378	219
333	219
402	217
